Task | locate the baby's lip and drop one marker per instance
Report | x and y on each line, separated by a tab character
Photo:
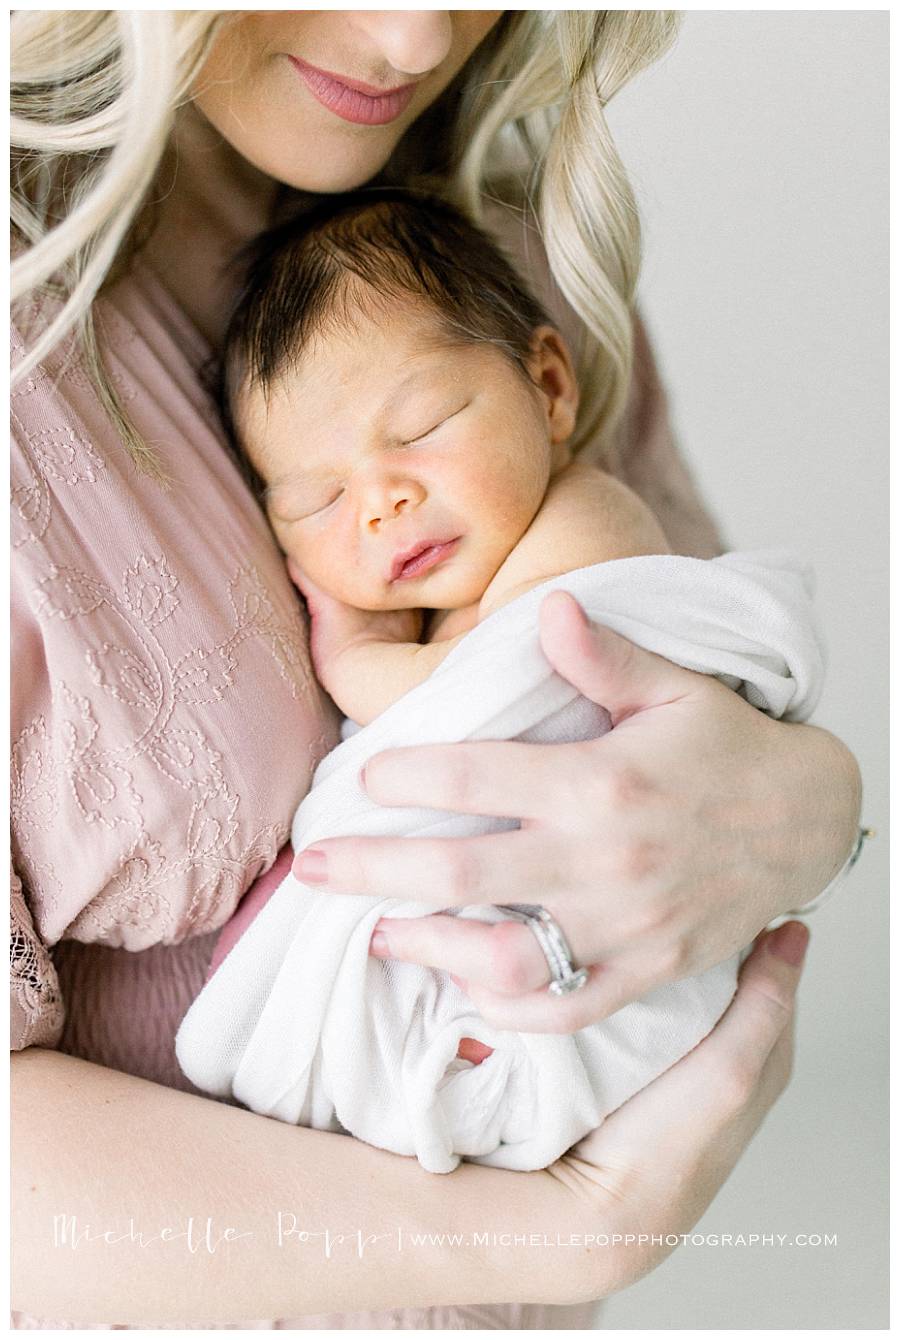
419	558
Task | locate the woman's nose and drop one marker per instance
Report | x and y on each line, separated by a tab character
388	501
412	41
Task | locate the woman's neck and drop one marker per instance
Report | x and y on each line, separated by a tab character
209	202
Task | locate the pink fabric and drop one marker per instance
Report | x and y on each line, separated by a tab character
252	903
165	719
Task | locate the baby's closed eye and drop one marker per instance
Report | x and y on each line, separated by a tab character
301	505
322	505
436	423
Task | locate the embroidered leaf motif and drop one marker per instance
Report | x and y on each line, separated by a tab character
78	725
202	676
132	899
66	456
104	793
125	676
261	850
185	757
221	888
27	501
31	511
149	590
211	825
38	381
292	661
65	593
249	598
32	790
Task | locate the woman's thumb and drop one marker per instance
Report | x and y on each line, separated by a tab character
764	1002
604	666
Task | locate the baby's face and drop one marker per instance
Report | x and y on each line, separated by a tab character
400	470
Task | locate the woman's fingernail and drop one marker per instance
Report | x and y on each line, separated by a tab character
379	946
789	943
311	866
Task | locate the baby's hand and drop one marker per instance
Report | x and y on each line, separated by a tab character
335	628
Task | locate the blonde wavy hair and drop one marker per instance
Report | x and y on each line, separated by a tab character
94	94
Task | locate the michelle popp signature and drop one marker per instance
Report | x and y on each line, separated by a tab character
198	1235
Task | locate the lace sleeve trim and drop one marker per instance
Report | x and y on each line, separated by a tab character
36	1006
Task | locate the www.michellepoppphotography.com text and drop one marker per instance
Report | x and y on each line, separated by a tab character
204	1236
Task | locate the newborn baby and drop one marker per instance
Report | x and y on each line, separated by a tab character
406	410
413	442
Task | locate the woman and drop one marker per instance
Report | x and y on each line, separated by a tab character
165	696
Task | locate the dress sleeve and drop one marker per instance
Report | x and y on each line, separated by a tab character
644	454
36	1011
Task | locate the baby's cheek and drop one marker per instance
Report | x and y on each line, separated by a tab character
323	553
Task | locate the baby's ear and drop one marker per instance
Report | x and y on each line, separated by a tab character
551	369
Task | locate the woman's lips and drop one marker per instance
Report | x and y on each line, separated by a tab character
352	100
424	557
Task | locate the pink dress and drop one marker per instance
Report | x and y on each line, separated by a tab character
165	718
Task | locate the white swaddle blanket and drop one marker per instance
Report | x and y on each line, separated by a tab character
300	1023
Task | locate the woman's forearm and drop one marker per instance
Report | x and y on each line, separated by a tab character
165	1175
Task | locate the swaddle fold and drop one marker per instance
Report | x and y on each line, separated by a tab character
300	1023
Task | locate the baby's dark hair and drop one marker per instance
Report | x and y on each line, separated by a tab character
399	244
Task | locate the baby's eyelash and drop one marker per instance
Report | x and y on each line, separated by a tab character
317	511
408	442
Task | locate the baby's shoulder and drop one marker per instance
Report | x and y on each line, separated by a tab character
587	517
582	486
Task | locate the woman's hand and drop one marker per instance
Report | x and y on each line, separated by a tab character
655	1165
660	848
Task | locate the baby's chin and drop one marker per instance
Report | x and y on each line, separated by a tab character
422	599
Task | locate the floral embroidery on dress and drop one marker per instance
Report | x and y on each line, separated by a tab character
31	509
167	719
33	798
139	673
60	454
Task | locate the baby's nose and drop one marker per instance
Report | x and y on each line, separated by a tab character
388	503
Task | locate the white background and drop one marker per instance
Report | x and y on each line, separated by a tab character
758	148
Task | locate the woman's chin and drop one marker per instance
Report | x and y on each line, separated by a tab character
330	172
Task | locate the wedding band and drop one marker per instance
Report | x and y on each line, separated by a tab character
564	976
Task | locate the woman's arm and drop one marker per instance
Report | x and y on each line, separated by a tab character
97	1151
107	1149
